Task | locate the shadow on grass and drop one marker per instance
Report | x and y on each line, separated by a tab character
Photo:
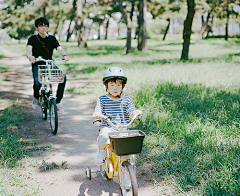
191	102
204	103
15	142
12	149
97	51
73	68
196	130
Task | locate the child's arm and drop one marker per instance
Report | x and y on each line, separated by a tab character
97	115
139	112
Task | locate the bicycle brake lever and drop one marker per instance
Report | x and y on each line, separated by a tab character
98	120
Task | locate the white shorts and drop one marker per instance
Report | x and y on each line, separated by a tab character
103	136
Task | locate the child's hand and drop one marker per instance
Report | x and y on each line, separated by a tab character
97	115
139	112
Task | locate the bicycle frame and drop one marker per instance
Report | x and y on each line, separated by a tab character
48	92
113	163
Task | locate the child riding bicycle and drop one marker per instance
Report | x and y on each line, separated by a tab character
114	103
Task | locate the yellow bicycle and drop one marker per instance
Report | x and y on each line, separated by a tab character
119	156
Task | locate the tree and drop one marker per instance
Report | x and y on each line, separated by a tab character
19	16
204	27
78	18
13	16
187	31
221	9
142	33
129	26
166	9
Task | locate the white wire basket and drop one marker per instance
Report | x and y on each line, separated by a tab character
49	74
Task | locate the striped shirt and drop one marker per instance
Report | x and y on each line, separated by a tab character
120	109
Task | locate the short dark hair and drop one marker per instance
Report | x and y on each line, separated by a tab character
41	21
114	80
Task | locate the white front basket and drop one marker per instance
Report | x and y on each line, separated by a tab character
48	74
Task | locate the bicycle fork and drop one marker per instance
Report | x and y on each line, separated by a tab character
123	174
50	96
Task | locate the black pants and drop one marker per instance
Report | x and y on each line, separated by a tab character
37	85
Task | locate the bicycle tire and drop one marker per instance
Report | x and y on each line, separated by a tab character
133	190
106	176
53	116
42	102
88	173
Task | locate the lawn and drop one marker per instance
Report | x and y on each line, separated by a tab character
191	109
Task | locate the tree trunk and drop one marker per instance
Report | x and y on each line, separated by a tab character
132	10
78	20
226	29
44	11
55	31
19	35
166	30
118	30
69	32
142	34
106	34
83	40
187	31
210	27
137	28
99	37
129	26
72	17
204	27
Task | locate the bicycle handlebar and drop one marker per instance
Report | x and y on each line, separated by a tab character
45	60
118	126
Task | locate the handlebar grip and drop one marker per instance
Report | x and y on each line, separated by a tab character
98	120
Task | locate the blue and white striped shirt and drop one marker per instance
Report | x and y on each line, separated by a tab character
120	109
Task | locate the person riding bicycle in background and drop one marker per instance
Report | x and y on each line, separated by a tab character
114	103
43	45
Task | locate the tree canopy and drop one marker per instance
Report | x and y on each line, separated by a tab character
18	16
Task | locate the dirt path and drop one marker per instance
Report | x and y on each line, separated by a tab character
75	141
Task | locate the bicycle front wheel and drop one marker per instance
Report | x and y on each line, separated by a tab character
53	116
130	186
42	100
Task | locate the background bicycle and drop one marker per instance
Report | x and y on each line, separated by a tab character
49	74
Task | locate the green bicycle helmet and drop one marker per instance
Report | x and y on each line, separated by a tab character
114	72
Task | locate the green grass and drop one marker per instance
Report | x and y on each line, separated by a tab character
191	109
19	48
193	135
11	148
48	166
